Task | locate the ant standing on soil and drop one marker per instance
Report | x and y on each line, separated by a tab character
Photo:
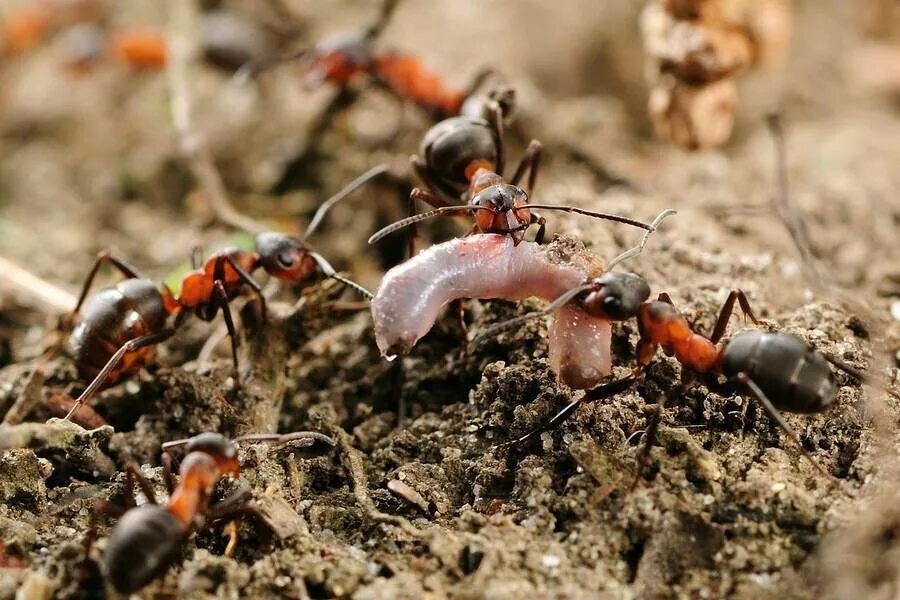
343	59
781	371
147	539
462	159
120	325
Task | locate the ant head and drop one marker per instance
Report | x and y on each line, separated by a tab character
452	146
222	450
284	257
502	200
479	106
199	471
338	60
616	296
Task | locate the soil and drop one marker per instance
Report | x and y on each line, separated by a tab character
417	500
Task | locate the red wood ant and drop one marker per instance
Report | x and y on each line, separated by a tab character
780	370
462	159
146	540
344	59
120	325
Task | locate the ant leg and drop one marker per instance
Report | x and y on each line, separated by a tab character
168	476
133	473
101	508
495	120
541	222
412	209
384	16
477	81
760	396
725	314
531	162
649	439
222	300
601	392
254	285
126	348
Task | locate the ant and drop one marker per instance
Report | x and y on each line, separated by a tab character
462	160
344	59
147	539
120	325
780	370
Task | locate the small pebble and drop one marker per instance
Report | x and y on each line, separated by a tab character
895	310
777	487
550	561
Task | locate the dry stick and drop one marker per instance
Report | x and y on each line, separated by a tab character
794	223
353	462
181	40
17	280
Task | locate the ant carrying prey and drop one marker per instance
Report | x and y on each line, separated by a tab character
780	370
147	539
462	160
115	331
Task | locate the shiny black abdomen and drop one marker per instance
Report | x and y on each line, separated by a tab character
793	376
451	145
143	545
115	315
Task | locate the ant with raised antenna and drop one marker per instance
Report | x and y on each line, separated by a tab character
120	325
780	370
462	159
147	539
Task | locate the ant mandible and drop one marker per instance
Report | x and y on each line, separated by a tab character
120	325
146	540
780	370
462	159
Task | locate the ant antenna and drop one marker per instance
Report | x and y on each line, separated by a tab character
384	16
340	195
773	412
329	271
590	213
251	69
306	438
547	310
574	292
454	211
632	252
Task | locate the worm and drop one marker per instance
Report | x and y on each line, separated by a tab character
491	266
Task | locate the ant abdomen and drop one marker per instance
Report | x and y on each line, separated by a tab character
130	309
451	146
142	546
795	377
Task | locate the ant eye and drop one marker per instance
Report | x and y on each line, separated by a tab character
612	304
285	259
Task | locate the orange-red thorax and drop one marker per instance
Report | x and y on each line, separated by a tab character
406	76
24	26
199	474
197	287
661	324
140	48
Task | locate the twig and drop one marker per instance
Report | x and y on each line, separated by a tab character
15	279
353	462
788	213
182	43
